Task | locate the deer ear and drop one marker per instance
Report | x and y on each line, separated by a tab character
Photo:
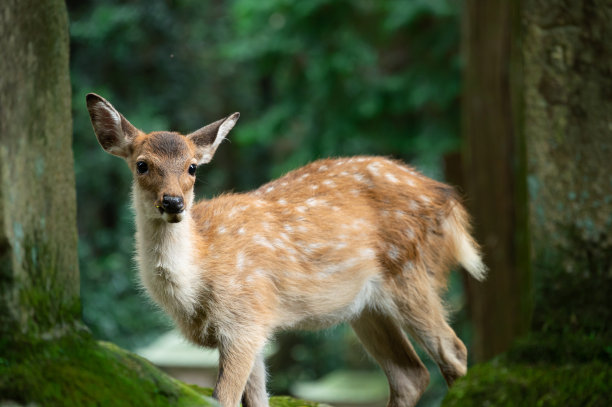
115	134
208	138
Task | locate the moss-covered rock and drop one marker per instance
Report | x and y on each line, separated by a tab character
78	371
499	384
541	370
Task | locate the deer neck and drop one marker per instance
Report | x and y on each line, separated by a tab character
166	260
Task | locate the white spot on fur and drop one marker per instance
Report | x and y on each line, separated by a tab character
237	209
262	241
221	230
255	274
391	178
269	189
374	168
288	228
393	252
341	245
359	224
300	209
409	234
241	231
367	253
405	169
240	261
279	244
315	202
329	183
323	168
338	267
282	201
358	177
315	246
407	267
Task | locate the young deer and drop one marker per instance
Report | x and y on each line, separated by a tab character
366	240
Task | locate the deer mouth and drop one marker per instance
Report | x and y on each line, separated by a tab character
174	217
170	217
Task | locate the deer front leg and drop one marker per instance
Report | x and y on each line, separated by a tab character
237	360
255	394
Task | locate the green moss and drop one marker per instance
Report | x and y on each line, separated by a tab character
283	401
541	370
79	371
500	384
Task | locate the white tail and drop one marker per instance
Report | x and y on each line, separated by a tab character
366	240
465	248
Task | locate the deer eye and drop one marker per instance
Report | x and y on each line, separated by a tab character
142	167
192	169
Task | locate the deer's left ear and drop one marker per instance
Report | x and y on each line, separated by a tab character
115	134
208	138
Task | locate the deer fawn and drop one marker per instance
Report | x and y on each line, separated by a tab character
366	240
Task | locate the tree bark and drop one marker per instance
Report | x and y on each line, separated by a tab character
568	116
494	174
39	282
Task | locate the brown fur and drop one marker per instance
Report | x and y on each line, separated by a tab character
366	240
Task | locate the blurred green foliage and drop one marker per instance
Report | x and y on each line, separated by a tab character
311	79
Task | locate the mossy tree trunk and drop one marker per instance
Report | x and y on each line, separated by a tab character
39	280
494	174
566	126
568	130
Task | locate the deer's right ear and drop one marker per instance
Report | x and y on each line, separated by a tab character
115	134
208	138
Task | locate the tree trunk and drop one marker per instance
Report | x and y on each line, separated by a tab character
39	281
494	174
567	128
568	117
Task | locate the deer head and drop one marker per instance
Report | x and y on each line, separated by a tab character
163	163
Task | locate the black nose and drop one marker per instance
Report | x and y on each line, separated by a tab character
173	204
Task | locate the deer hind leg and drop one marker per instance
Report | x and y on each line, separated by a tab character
255	394
384	340
424	318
